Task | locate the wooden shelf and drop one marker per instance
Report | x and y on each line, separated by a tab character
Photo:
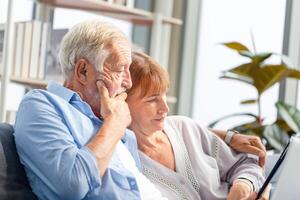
172	20
32	83
134	15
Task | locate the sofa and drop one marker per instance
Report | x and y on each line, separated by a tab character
13	181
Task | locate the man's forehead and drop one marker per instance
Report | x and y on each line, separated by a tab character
121	55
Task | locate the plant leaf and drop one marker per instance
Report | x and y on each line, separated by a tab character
236	46
263	77
267	76
234	76
290	114
249	101
259	58
247	54
292	73
252	128
245	69
281	123
276	137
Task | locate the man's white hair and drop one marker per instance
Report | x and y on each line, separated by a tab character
89	40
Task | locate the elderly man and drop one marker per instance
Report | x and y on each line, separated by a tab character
72	146
72	139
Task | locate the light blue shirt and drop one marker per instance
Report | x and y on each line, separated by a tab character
51	131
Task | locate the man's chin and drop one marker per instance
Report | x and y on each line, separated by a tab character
116	93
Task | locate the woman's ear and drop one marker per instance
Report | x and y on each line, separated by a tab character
80	71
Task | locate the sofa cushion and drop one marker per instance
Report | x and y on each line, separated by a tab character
13	181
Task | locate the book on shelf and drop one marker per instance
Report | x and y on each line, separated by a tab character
31	41
26	49
18	51
43	50
35	48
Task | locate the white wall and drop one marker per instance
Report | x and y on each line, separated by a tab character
232	20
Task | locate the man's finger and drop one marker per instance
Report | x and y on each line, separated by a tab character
122	96
104	94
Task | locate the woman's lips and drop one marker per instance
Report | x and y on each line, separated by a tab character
160	118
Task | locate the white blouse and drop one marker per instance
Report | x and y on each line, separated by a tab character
205	166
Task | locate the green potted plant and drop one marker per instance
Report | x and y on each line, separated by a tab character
258	73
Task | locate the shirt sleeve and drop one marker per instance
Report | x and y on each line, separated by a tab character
48	150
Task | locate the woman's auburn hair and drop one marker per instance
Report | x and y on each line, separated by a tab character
147	75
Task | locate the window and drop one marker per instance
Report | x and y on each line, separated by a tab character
22	11
233	20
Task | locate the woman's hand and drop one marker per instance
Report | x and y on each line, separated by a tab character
239	190
245	144
249	144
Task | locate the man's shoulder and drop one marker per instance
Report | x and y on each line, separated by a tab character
36	95
40	97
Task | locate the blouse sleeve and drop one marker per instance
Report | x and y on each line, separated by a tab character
232	165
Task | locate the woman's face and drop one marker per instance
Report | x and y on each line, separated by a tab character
148	113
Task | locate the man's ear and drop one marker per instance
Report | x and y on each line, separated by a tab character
80	71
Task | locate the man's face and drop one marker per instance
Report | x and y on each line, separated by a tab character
115	75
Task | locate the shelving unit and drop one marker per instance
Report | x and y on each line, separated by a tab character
31	83
133	15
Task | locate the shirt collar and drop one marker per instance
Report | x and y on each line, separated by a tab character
60	91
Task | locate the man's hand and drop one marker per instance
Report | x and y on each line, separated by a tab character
114	108
116	116
249	144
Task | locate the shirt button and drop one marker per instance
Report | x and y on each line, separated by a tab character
132	183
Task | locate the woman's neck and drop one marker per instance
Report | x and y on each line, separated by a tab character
148	142
157	146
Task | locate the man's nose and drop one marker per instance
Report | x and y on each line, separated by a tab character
127	83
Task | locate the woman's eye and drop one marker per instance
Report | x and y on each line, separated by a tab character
151	100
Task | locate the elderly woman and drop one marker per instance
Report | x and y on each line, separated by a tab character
182	158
